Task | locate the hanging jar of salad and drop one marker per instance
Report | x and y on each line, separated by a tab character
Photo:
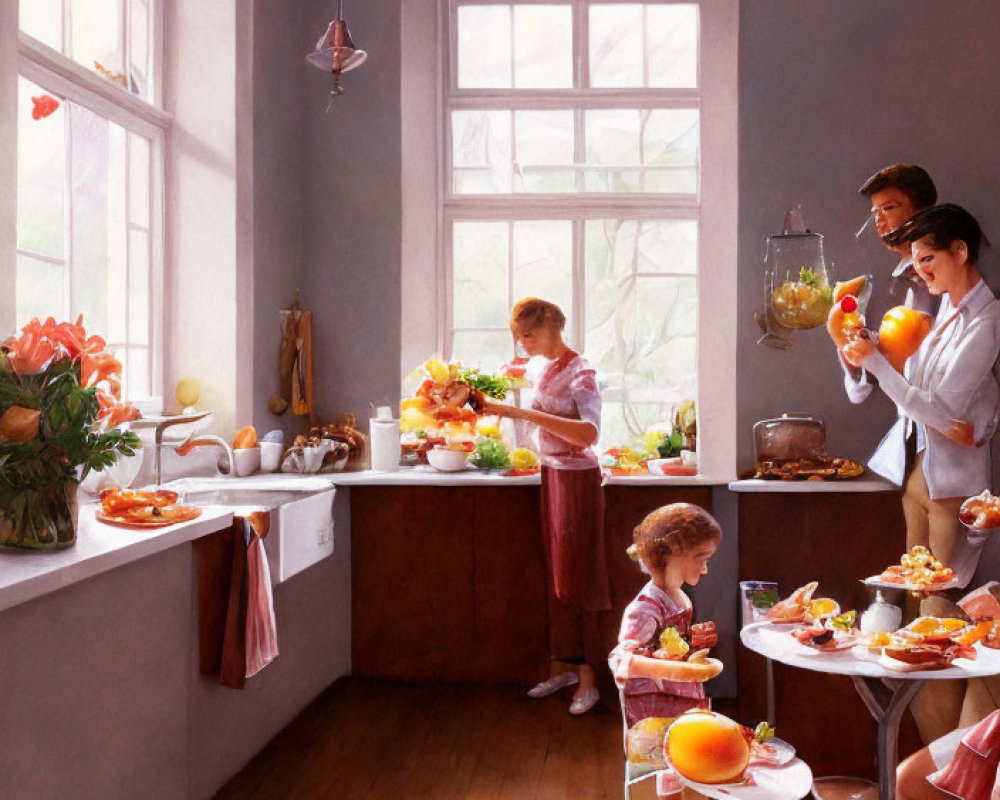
798	287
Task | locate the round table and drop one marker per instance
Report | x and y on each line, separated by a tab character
885	692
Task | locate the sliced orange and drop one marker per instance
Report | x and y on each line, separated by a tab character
974	633
245	438
855	287
824	607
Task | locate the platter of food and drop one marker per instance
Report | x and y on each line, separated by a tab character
814	468
917	571
981	513
143	509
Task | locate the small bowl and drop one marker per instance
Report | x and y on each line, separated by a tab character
246	461
447	460
270	456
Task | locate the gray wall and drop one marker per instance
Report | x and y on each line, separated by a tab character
830	91
280	45
353	215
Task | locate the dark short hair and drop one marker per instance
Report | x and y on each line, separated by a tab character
944	224
911	180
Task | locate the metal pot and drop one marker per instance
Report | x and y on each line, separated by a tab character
792	435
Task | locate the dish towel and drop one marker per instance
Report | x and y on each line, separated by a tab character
972	772
261	636
226	613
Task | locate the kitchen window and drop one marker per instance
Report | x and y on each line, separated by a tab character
90	175
585	153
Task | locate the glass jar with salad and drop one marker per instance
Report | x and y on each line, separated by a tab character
798	287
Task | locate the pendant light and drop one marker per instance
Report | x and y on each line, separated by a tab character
335	51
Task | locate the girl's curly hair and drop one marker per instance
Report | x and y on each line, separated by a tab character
670	530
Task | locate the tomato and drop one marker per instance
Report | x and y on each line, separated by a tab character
518	473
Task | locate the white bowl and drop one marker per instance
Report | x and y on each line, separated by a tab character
447	460
246	461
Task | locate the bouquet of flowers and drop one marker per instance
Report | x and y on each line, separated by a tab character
60	400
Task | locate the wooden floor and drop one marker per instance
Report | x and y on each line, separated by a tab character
375	740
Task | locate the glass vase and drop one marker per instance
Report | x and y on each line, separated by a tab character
40	519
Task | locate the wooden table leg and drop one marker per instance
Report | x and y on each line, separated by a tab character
886	700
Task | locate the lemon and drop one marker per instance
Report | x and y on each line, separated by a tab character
489	426
523	458
436	371
187	391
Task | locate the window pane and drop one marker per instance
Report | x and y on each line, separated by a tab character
543	263
642	150
43	20
138	287
96	35
41	289
488	350
622	421
91	153
612	145
616	45
481	157
135	373
544	143
41	171
139	49
668	246
543	47
671	149
484	57
479	276
138	180
672	41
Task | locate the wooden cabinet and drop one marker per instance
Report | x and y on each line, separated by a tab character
449	582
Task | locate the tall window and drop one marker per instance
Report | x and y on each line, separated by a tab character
572	171
89	188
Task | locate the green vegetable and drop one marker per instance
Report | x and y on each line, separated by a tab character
490	454
808	277
844	622
826	295
670	446
763	732
765	598
494	386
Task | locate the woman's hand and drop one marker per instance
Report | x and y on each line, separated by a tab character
857	350
500	410
835	326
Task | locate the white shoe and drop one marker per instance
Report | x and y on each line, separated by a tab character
585	702
553	685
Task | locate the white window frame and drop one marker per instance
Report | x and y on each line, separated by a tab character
428	205
61	75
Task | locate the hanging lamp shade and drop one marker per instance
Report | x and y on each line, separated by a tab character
335	51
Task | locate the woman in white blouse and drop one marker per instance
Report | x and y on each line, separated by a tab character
948	402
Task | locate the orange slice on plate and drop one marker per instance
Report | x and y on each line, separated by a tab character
824	607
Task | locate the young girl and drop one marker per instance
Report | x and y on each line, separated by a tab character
673	545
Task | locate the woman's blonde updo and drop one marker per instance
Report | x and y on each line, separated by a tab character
532	313
670	530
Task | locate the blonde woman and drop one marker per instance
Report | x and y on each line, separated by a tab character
566	418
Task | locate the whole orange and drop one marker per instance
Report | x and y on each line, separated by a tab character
901	333
707	747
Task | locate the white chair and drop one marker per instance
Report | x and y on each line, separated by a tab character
634	773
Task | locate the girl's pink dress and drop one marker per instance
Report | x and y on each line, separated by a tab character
645	619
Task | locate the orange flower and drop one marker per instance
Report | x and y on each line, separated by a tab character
111	413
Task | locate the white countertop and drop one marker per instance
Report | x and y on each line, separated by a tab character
425	475
27	574
871	484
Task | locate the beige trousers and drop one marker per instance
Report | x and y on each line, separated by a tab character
942	706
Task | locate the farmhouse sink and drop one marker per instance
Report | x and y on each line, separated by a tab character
301	511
